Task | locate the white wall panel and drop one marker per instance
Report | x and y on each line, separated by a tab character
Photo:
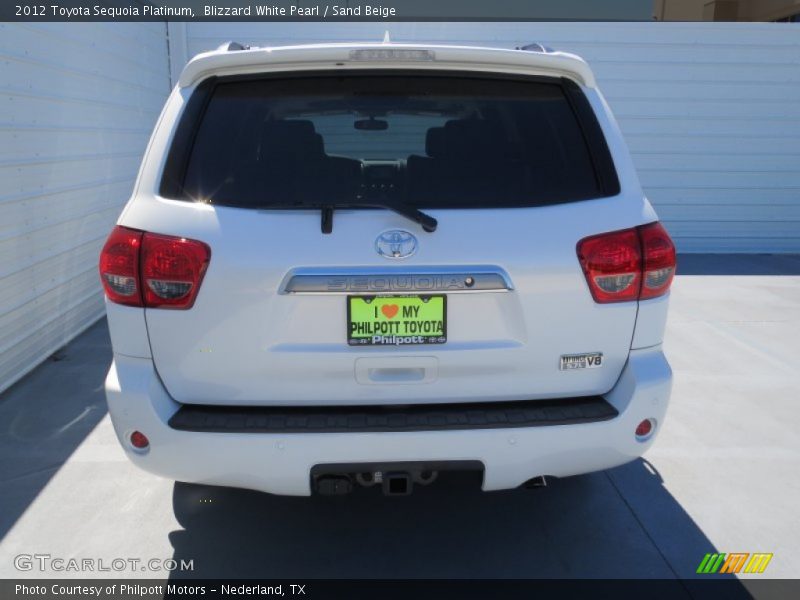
77	105
710	110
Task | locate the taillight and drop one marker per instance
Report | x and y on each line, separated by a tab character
659	260
633	264
119	266
612	263
172	269
151	270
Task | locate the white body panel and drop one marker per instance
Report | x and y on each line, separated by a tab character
246	342
281	464
269	348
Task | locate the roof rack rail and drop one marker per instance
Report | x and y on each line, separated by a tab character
232	47
535	47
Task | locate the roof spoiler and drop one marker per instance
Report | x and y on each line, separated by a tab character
233	57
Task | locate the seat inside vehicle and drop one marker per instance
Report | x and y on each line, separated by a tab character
466	159
290	165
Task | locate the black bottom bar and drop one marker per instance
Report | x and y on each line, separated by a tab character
424	417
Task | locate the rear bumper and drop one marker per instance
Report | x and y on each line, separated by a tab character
281	462
392	419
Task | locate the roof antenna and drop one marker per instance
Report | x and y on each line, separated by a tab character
386	38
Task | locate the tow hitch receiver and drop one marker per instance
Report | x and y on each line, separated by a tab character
397	484
393	479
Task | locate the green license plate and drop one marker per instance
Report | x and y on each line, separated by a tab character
396	320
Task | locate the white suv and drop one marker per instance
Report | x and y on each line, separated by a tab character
368	263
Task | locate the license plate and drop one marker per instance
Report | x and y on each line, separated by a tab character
396	320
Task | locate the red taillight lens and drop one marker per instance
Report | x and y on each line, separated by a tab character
659	260
151	270
172	270
119	266
612	263
633	264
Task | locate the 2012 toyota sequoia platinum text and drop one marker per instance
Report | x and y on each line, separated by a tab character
368	263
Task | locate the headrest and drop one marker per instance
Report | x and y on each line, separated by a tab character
435	142
473	137
296	139
295	126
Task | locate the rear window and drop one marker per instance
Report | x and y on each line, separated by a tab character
431	141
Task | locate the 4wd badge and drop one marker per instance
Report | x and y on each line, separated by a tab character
591	360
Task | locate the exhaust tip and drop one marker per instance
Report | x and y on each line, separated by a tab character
536	482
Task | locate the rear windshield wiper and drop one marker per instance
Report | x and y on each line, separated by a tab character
427	222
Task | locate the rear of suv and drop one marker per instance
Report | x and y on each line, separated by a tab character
361	263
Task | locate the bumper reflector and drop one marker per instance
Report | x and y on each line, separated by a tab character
139	440
645	429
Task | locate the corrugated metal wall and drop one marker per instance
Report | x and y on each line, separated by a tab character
710	110
77	105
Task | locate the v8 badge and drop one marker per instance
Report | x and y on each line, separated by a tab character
590	360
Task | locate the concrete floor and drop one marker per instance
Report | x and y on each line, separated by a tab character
722	476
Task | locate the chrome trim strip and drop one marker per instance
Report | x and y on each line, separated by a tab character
405	282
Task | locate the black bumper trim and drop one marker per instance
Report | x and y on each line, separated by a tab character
415	417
